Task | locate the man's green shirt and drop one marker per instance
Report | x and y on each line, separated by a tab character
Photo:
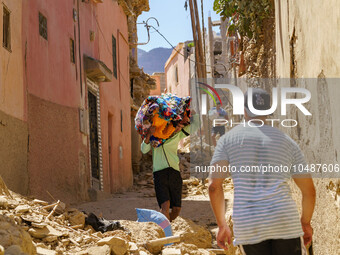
165	155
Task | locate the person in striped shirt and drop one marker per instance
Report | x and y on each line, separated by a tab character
261	160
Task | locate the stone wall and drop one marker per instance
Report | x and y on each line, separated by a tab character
55	152
13	153
307	46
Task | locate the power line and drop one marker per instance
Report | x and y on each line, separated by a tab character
174	48
225	96
156	30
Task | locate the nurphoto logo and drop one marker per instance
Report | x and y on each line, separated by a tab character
258	100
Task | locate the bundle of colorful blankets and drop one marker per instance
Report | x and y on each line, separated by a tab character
165	113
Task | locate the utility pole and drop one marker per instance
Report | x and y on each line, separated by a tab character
194	33
197	35
200	41
200	61
204	38
211	47
223	29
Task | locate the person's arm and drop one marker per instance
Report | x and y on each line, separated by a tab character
217	202
216	193
145	146
305	183
194	124
307	188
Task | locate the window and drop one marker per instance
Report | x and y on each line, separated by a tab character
121	121
72	55
6	34
114	56
176	75
131	87
43	26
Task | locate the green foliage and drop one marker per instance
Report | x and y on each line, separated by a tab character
190	45
245	15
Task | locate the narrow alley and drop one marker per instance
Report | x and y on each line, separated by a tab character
169	127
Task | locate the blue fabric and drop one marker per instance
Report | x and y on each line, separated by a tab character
147	215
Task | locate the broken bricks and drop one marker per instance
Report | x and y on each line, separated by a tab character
118	245
77	218
3	202
44	232
64	232
13	235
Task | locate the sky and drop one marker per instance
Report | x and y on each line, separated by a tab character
174	22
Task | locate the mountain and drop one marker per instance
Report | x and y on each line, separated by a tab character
153	60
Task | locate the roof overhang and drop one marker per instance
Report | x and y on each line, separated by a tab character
96	70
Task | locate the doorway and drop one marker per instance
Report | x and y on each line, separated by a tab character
110	127
95	138
94	145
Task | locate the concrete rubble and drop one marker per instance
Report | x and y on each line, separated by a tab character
30	226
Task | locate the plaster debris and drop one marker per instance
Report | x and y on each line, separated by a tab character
31	226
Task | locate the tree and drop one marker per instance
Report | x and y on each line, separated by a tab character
245	16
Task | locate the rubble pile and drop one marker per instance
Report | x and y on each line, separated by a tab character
184	248
35	227
143	181
196	240
191	232
14	238
197	153
184	164
31	226
194	186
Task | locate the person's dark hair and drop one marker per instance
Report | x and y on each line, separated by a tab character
261	100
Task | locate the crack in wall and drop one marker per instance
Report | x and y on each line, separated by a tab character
293	67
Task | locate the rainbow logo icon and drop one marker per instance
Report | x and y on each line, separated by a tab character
209	93
204	99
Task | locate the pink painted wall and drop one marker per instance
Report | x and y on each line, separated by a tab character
57	89
115	98
50	73
183	66
54	95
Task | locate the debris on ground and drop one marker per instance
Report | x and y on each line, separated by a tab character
32	226
191	233
184	248
13	236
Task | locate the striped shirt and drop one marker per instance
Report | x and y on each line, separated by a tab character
263	206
